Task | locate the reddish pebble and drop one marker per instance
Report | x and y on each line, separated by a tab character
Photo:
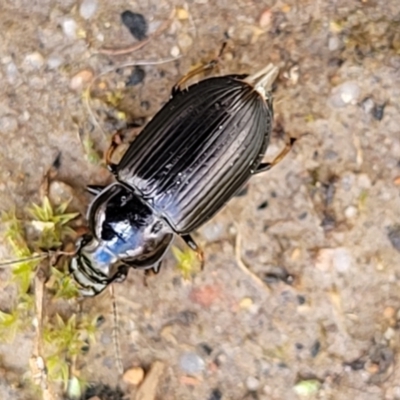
265	18
205	295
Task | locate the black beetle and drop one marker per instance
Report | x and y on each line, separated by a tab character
193	156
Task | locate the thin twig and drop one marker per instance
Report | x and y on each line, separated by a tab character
115	333
37	362
243	266
25	259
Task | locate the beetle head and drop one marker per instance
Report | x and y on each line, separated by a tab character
126	233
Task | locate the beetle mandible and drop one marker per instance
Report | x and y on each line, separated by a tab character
194	155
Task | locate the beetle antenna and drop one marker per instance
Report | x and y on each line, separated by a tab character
115	332
25	259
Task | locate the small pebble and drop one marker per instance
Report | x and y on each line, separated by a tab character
137	76
394	236
69	28
246	302
213	231
345	94
12	72
262	205
185	41
88	8
252	383
333	43
265	18
136	23
82	78
191	363
307	387
338	258
278	273
389	334
182	14
367	105
54	62
8	125
389	312
105	339
60	192
378	111
350	212
315	348
175	51
34	60
216	394
133	376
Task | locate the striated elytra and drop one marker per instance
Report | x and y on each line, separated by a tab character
194	155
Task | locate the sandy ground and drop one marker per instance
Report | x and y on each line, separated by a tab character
321	229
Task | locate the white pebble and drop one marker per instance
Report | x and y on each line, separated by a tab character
350	212
345	94
341	259
363	181
54	62
338	258
333	43
69	28
389	334
88	8
12	72
34	60
8	125
175	51
252	383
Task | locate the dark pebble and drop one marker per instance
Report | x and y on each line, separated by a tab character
215	395
57	161
301	299
100	321
186	317
145	105
205	348
394	236
136	24
328	222
263	205
303	215
355	365
378	111
85	349
276	274
383	356
137	76
103	392
335	62
315	348
299	346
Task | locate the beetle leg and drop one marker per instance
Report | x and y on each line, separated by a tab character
116	140
192	244
154	270
267	166
94	189
178	87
